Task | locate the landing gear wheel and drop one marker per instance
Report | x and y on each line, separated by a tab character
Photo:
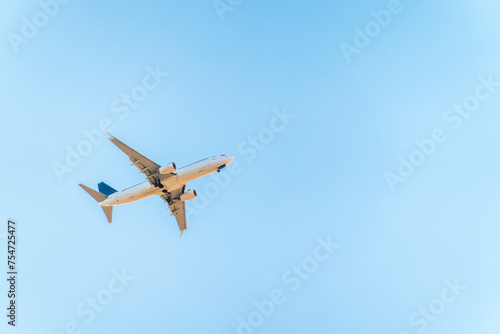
156	183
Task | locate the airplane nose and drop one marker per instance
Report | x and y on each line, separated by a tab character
229	160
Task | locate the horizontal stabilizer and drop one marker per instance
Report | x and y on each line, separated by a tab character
95	194
108	211
105	189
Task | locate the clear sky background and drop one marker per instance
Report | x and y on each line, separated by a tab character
322	175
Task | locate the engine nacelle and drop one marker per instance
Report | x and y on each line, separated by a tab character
170	168
189	195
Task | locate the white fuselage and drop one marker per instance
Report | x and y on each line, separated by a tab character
182	176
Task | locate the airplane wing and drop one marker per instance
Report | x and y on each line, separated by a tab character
177	207
145	165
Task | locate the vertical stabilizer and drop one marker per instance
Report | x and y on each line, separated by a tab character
105	189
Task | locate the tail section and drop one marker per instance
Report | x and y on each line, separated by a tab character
96	195
108	211
105	189
99	197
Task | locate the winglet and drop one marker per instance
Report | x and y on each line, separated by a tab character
110	137
181	233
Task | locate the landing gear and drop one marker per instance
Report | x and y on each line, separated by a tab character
167	197
221	167
169	200
156	182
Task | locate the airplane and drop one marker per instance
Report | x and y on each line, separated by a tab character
168	182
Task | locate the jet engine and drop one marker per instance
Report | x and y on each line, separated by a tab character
189	195
170	168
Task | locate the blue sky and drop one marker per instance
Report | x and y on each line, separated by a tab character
262	233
